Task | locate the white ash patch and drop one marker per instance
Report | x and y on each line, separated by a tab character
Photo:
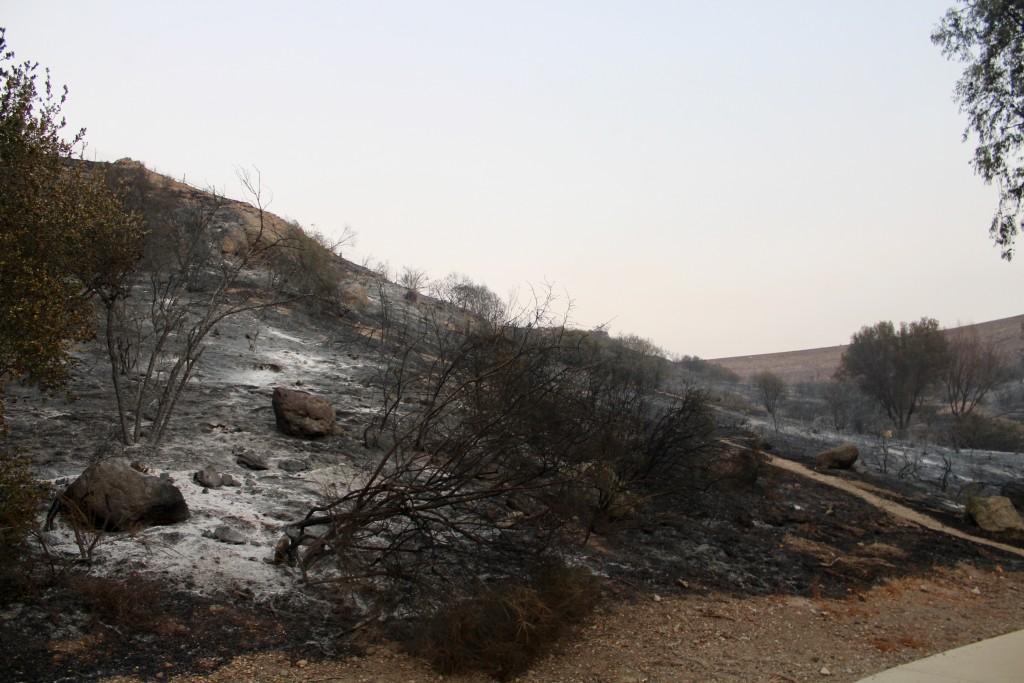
920	463
186	555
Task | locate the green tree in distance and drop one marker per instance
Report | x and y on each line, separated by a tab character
987	36
895	367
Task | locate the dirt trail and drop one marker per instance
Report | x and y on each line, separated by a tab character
894	509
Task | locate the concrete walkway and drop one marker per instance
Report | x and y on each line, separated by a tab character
996	660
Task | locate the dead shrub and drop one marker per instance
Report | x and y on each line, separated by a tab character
732	400
504	627
132	602
308	263
20	497
987	433
353	296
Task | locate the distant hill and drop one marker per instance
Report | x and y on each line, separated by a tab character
811	365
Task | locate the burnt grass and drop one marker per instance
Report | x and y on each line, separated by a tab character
82	627
923	496
779	534
783	534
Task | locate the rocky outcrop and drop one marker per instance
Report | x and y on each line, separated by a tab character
994	513
839	458
112	495
302	414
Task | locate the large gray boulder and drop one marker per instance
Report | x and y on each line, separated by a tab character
302	414
994	513
111	495
839	458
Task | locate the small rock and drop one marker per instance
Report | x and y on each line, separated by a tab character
294	465
683	583
208	477
228	480
657	598
976	590
825	672
282	550
226	534
301	663
12	613
251	461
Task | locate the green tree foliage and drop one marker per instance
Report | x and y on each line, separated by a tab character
63	239
63	233
987	36
895	367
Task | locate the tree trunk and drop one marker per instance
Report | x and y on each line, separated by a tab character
122	418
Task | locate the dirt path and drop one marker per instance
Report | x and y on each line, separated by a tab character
895	509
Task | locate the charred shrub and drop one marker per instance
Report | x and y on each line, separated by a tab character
504	627
20	497
988	433
353	296
631	440
474	298
706	370
131	602
308	264
496	446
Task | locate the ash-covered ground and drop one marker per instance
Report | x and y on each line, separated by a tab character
205	599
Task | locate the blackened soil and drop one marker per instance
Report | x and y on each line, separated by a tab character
785	534
926	499
83	628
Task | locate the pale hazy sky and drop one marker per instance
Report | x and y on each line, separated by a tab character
724	178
